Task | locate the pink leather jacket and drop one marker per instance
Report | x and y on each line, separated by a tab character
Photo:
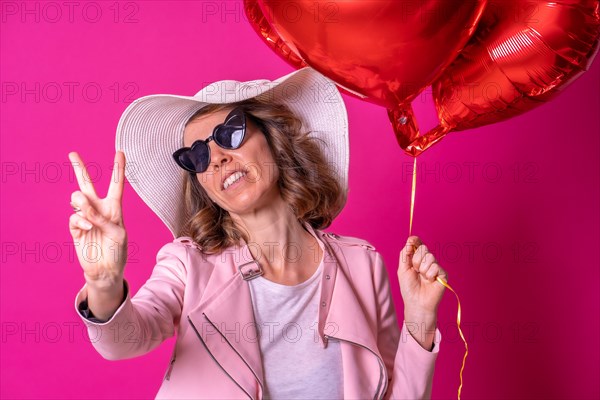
206	301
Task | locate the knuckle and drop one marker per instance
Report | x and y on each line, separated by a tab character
93	215
99	218
413	241
80	197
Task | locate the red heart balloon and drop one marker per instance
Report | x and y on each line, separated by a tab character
269	35
523	53
384	51
272	39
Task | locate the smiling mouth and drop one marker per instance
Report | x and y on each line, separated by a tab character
233	178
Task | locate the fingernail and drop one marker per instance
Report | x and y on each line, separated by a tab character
86	225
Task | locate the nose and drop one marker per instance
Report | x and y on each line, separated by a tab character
219	157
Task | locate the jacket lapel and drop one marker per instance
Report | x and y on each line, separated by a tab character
224	321
348	321
346	313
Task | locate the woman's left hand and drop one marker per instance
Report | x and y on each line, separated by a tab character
417	273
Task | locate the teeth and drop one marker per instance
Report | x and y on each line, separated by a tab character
232	179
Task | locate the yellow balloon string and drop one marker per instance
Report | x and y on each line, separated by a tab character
440	280
412	196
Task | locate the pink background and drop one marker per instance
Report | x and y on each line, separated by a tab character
510	210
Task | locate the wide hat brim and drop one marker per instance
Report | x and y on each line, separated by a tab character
151	129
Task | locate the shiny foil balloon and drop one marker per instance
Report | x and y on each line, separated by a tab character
262	27
270	36
383	51
523	53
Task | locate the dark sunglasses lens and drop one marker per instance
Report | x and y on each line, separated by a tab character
230	133
229	137
197	158
235	118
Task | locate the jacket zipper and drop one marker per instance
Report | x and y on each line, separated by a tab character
382	370
168	375
233	348
213	357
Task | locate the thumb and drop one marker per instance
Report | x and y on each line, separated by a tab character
405	263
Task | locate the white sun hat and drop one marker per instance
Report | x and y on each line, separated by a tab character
151	129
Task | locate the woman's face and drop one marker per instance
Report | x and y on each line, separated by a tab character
257	187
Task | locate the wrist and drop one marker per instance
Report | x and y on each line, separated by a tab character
415	314
103	302
423	323
105	286
422	326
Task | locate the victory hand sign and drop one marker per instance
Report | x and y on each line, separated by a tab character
99	236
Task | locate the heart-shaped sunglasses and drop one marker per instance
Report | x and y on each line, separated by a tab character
228	135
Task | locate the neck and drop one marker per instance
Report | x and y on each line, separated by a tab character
279	242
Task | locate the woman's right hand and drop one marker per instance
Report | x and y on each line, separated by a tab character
98	232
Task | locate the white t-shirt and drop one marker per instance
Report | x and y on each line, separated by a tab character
294	363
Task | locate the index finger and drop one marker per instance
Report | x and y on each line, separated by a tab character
115	190
409	249
83	177
413	243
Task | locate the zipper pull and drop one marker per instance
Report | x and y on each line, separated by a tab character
168	374
325	341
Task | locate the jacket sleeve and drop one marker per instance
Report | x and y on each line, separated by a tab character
410	367
143	322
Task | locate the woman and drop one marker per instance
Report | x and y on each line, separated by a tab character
264	303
